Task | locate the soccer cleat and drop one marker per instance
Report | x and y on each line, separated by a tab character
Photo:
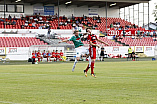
93	75
85	73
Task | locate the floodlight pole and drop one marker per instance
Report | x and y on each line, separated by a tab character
106	17
148	15
4	14
58	13
143	14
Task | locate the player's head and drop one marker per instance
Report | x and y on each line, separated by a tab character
38	50
44	50
32	51
48	51
60	50
53	50
56	50
76	32
88	30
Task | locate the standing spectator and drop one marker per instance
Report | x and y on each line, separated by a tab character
48	33
9	17
14	18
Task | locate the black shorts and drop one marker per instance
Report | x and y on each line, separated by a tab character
102	54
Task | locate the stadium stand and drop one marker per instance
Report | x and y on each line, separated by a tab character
20	41
147	41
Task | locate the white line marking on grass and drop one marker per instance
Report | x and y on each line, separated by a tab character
23	74
5	102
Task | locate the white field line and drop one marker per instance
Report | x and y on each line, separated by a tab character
5	102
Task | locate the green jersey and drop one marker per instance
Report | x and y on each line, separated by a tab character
77	40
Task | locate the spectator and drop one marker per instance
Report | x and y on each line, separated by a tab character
1	19
40	26
13	23
14	18
48	55
48	33
22	18
33	24
64	17
9	17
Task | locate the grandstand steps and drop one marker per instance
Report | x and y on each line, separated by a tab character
42	39
121	43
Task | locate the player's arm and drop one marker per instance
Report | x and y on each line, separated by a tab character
94	44
102	42
63	41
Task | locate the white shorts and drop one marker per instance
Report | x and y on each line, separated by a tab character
81	51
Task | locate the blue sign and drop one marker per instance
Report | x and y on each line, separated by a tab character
48	10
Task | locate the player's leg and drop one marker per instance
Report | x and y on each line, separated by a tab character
77	58
93	57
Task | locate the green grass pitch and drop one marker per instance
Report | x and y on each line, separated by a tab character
116	83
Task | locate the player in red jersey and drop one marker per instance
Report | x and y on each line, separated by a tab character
57	55
48	55
53	54
44	54
39	56
33	57
92	38
61	53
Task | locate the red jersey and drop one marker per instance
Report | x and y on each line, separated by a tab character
61	53
53	53
38	54
44	54
92	38
92	49
33	55
57	54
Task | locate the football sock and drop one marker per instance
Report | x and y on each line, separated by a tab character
89	61
92	67
87	68
74	64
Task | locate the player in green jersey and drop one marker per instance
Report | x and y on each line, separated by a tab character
79	46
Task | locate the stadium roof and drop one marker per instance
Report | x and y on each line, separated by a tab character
90	3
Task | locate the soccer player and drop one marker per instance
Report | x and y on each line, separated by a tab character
48	55
79	46
39	56
44	54
92	38
57	55
53	55
33	57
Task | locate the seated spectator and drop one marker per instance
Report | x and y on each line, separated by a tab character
73	25
40	26
9	17
30	24
13	23
22	26
61	23
1	19
98	21
14	18
111	25
33	24
22	18
64	17
68	21
36	20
